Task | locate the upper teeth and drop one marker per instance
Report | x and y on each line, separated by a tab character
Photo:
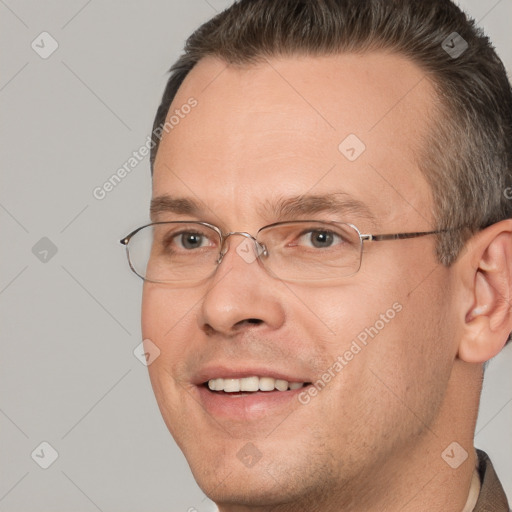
252	384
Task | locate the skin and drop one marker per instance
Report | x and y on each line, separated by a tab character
372	439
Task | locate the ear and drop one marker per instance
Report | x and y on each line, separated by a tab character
487	275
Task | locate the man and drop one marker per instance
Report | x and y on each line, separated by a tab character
333	360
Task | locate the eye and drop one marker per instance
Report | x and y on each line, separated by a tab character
190	240
319	238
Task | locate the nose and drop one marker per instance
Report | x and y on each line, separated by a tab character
241	294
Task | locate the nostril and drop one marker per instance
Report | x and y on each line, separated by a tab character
254	321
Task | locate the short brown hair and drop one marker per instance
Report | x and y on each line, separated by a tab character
467	157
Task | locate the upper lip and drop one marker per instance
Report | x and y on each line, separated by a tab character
237	371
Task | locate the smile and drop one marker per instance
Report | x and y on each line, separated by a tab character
252	384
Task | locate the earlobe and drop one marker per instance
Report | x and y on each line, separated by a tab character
488	322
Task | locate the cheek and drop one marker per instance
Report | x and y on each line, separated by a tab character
167	318
167	321
166	312
393	338
409	362
334	316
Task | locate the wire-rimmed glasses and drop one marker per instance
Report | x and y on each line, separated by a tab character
187	252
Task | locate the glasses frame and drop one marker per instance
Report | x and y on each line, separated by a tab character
363	237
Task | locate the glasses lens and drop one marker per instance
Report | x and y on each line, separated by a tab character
174	251
311	251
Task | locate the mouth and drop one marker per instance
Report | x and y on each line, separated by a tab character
248	396
249	385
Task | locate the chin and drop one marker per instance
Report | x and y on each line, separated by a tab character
231	485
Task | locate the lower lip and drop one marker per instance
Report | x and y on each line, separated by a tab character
250	406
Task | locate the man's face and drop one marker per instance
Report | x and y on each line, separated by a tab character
259	136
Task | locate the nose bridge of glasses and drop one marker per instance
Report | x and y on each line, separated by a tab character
225	236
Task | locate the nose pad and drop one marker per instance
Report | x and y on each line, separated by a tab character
223	250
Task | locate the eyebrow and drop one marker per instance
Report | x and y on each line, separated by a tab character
284	208
338	203
177	205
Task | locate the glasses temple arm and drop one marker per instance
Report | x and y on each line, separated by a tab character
400	236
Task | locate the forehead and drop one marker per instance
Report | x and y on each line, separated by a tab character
292	127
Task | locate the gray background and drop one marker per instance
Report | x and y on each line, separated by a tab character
70	324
